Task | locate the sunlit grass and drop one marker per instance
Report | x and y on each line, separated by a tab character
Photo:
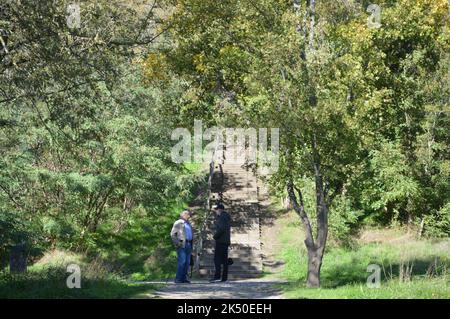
344	271
416	289
48	279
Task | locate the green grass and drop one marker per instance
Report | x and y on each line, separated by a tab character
47	279
193	167
344	271
144	250
51	284
416	289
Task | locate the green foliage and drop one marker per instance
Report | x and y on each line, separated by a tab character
344	221
86	115
438	223
392	188
371	103
141	245
85	143
56	230
74	181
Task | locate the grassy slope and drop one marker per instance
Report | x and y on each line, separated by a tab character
47	279
344	271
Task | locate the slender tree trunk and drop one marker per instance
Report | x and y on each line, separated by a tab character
314	264
315	247
315	255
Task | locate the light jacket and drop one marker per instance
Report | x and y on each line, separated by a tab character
178	234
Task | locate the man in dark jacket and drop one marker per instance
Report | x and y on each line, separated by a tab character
222	238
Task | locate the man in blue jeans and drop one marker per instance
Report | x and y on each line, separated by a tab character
182	238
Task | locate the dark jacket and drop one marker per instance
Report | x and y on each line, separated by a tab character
222	231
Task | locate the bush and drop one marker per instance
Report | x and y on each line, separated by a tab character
57	229
438	224
343	222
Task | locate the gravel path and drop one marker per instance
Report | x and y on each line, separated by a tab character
239	289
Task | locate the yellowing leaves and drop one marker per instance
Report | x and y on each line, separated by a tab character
155	68
199	61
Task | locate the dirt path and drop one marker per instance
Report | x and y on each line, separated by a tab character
239	289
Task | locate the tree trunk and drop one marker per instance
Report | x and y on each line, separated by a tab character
314	265
315	246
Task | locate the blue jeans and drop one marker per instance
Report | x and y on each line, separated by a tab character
184	259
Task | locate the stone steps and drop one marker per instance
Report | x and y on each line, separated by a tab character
243	275
247	261
209	273
239	268
239	194
243	249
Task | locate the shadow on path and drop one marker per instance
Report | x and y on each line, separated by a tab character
241	289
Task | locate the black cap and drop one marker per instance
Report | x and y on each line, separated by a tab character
219	206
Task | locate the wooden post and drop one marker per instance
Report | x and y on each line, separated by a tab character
18	259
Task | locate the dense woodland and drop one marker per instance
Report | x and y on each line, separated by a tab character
86	115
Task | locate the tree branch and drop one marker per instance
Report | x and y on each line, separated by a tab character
300	210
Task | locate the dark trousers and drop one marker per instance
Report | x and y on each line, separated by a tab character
221	258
